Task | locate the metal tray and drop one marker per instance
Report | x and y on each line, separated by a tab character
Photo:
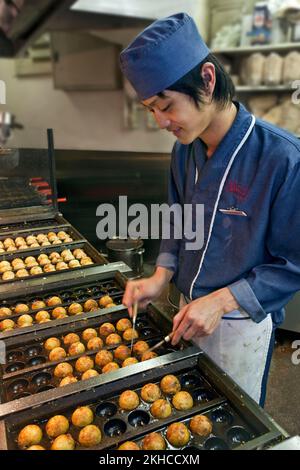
21	227
214	394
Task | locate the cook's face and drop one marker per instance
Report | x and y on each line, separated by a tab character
177	113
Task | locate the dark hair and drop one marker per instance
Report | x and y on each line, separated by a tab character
193	85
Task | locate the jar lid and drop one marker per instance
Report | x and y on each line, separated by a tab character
129	244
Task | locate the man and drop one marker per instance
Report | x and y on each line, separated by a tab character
247	174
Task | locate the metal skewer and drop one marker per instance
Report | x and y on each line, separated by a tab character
135	310
166	339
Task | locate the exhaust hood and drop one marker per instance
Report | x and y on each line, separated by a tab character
39	16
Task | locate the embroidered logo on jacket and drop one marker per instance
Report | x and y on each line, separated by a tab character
240	191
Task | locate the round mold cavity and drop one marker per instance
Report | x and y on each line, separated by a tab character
95	290
215	443
80	292
138	418
202	394
35	361
238	435
106	409
33	351
222	416
14	356
39	380
141	324
114	428
14	367
81	298
22	395
47	387
147	331
18	386
191	381
66	296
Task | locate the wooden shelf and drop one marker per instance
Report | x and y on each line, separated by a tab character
264	89
282	47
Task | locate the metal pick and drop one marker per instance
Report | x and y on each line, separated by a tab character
166	339
135	310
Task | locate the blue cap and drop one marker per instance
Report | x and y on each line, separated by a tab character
163	53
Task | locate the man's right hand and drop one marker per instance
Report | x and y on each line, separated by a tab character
146	290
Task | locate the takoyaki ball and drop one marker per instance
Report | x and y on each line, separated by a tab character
67	380
161	409
2	251
51	343
56	241
129	400
1	244
62	235
41	257
153	441
54	254
49	268
41	237
89	436
19	241
88	374
68	257
34	245
51	234
24	320
103	301
63	442
19	266
45	321
71	338
75	309
74	263
63	370
129	361
44	262
111	305
68	239
150	393
54	301
148	355
123	324
7	325
11	248
22	273
89	333
42	315
16	261
178	434
82	416
79	254
38	305
29	259
52	237
36	270
57	354
128	445
23	247
106	329
31	239
5	312
122	352
103	357
59	312
31	265
111	366
170	385
129	334
86	261
37	447
56	260
56	426
45	243
89	305
4	269
140	347
113	339
182	401
95	344
201	425
8	242
21	308
30	435
76	348
8	276
4	264
61	266
84	363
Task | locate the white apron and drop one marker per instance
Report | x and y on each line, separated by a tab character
240	347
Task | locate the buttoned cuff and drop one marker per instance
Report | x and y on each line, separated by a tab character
168	261
246	299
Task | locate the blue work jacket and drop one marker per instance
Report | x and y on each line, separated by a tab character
254	248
